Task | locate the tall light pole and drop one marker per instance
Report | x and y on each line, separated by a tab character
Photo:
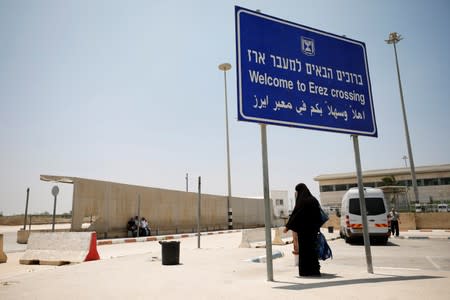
405	158
225	67
394	38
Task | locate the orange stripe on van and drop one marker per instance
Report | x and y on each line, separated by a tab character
360	226
356	226
381	225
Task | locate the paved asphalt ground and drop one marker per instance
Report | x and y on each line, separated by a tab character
415	266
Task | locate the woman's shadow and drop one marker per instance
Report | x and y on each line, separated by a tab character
327	283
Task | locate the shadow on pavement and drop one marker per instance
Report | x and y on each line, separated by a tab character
306	286
324	276
373	243
392	244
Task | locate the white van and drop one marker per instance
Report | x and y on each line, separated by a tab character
442	207
377	215
418	208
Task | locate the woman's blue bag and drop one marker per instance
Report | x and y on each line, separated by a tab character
323	217
323	249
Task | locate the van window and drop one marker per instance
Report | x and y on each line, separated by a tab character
374	206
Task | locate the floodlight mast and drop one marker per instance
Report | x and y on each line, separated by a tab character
394	38
226	67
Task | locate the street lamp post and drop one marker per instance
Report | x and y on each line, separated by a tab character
405	158
225	67
394	38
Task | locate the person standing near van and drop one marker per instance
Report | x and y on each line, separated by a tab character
305	220
395	218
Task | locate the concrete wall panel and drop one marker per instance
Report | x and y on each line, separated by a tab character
113	204
407	221
438	220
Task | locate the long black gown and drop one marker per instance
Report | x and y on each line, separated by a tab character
304	220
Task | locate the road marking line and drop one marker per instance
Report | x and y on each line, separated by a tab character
432	262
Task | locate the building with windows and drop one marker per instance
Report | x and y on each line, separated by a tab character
282	206
433	184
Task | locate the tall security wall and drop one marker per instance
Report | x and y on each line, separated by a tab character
112	204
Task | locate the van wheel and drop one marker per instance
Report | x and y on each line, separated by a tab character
347	239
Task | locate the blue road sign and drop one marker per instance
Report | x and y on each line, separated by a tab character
292	75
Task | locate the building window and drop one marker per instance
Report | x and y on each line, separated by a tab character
431	181
341	187
352	185
326	188
408	182
369	184
279	202
445	181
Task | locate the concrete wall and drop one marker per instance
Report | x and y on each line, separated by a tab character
332	221
410	221
112	205
437	220
247	212
3	256
407	221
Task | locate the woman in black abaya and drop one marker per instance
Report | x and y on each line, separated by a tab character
304	220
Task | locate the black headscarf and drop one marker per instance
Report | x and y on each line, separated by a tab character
306	214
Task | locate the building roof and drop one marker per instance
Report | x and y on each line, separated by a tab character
384	172
62	179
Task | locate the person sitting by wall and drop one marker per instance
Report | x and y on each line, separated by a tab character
132	227
144	229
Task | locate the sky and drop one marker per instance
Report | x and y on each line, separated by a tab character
130	92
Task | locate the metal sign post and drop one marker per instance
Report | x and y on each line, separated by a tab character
362	205
55	191
267	206
26	210
138	214
199	210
